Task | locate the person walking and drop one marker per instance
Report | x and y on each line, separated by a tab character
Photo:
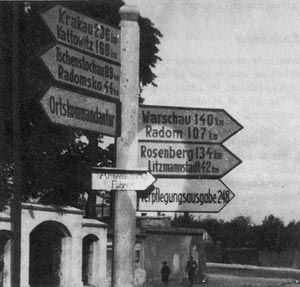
165	272
190	268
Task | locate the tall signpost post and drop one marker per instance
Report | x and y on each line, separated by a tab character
16	199
127	145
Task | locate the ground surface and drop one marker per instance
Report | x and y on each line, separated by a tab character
218	280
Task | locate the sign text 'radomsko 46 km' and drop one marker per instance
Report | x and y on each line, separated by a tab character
190	160
185	124
81	32
77	69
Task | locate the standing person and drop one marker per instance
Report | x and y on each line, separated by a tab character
190	268
165	272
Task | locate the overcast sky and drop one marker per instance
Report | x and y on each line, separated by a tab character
244	57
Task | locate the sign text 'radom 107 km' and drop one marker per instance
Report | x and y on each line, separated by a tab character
186	160
193	195
77	69
185	124
81	32
77	111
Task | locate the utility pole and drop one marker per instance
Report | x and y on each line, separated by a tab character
127	145
17	147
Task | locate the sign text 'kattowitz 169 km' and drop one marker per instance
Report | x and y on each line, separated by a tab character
83	33
74	110
185	124
180	195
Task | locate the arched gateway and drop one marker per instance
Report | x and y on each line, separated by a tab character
48	254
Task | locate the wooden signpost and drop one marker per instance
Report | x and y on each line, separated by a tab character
179	145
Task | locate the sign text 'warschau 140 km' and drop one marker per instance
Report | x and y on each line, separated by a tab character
193	195
77	111
77	69
83	33
185	124
186	160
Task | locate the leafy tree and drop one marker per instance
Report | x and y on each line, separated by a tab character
56	160
271	236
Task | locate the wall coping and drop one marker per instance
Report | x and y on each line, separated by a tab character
88	222
5	216
252	267
52	208
174	230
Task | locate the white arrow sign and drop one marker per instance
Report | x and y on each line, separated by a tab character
193	195
121	179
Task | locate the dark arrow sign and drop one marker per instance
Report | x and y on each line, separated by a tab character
83	33
78	111
77	69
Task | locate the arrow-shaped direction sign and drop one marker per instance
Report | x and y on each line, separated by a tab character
77	69
121	179
78	111
83	33
186	160
179	195
186	124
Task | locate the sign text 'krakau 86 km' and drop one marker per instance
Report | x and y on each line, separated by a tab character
84	33
186	124
193	195
186	160
80	70
78	111
121	179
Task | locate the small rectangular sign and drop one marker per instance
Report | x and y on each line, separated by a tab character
82	112
180	195
121	179
187	160
163	123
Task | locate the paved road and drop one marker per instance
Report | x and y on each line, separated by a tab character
218	280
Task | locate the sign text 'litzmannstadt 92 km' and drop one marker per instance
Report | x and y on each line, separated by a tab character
186	160
83	33
185	124
75	68
193	195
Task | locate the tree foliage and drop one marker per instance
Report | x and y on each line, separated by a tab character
240	232
56	160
